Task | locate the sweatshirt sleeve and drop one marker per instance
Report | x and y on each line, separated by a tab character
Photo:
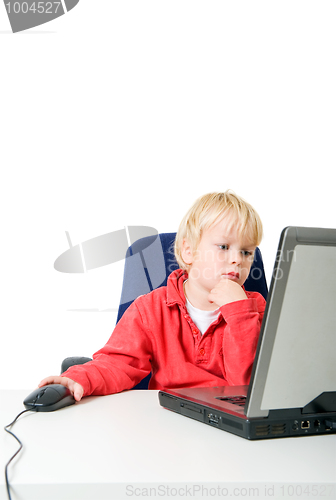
243	321
122	363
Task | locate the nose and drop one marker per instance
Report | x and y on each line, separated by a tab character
236	257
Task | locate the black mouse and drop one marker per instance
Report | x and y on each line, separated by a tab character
49	398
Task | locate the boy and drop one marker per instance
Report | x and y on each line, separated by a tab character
199	330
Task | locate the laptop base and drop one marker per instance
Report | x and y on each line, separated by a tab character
279	423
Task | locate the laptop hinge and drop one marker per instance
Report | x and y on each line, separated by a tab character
325	402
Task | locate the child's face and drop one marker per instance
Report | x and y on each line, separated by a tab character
220	254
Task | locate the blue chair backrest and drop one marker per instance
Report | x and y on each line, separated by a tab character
149	262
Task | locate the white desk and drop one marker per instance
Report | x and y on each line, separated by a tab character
127	446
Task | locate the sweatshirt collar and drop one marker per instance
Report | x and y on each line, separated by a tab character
175	292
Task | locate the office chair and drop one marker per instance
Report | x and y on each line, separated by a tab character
148	263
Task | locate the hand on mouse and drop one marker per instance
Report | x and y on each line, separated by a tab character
226	291
76	389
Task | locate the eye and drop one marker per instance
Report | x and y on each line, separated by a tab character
223	247
246	253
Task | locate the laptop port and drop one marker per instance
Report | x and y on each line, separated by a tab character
330	424
295	425
213	419
305	424
317	424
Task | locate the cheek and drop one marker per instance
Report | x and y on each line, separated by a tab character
245	270
221	257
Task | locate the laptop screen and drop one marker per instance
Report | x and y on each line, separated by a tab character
295	360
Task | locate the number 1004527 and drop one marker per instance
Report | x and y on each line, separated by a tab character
33	7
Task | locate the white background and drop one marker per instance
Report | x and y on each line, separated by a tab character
123	112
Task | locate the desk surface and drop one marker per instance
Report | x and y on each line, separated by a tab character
127	446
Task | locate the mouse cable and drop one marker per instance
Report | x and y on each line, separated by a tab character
18	451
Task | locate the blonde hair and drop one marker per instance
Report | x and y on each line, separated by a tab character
211	209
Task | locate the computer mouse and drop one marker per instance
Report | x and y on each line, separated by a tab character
49	398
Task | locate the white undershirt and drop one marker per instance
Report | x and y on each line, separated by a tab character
202	319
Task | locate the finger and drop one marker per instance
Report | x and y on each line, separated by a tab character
49	380
212	297
78	392
75	388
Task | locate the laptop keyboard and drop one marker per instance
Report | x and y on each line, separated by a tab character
235	400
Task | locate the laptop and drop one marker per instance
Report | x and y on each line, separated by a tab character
292	391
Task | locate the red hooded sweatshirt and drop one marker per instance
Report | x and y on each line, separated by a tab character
156	334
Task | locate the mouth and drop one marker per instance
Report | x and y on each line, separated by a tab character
231	276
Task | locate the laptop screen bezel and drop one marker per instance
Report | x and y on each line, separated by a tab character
290	237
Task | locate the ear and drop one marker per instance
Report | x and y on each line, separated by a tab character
186	252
